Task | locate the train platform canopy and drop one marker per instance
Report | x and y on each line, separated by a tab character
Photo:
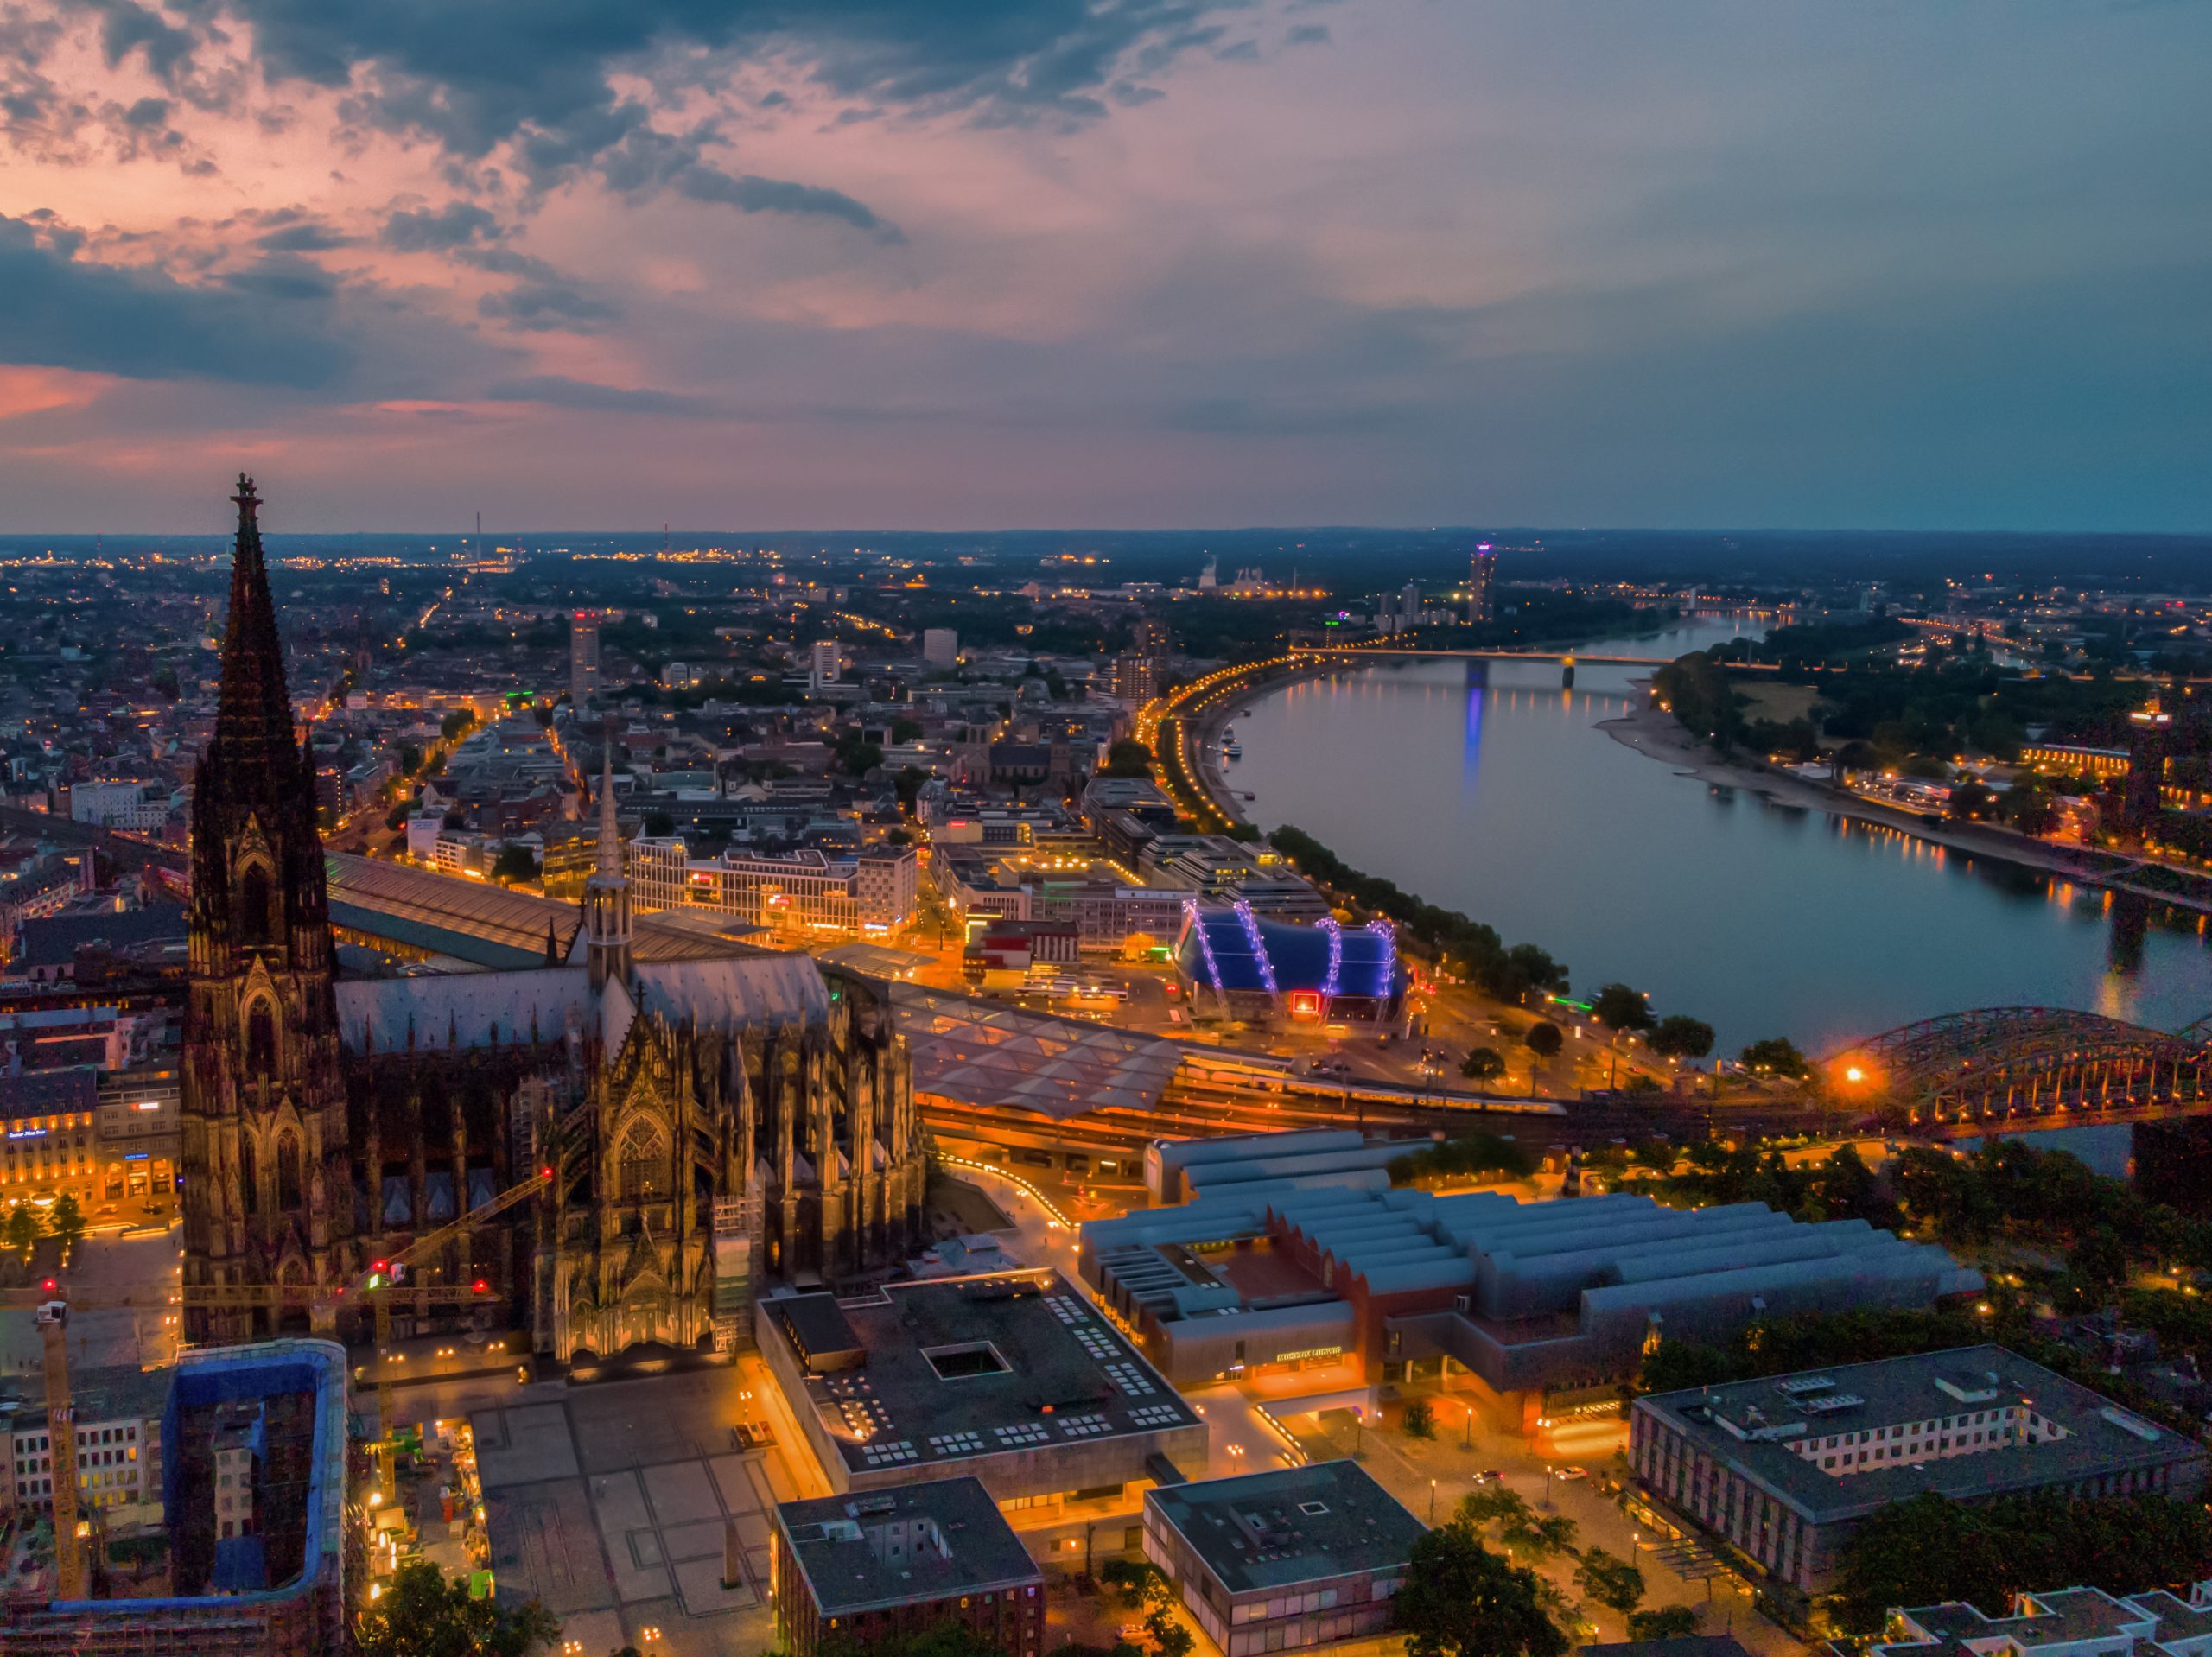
473	924
980	1053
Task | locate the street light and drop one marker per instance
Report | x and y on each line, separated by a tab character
1431	1504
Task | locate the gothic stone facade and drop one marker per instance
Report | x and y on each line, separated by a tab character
705	1122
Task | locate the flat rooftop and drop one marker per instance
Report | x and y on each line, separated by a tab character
1297	1524
963	1367
1771	1429
950	1539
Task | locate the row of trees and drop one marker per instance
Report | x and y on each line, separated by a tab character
1471	1157
25	1224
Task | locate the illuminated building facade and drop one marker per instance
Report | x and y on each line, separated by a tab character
1482	575
1235	965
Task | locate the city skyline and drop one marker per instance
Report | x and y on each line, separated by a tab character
1177	265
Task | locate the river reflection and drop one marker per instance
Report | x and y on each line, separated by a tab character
1485	787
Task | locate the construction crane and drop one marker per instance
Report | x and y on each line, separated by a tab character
53	1304
385	1277
62	1442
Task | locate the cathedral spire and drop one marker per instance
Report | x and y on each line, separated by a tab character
607	894
253	719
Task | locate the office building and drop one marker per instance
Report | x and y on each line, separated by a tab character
940	647
822	665
118	1424
860	1570
877	890
1135	678
1014	1378
1783	1469
1482	576
2150	733
2071	1622
583	656
275	1411
1282	1560
1303	1250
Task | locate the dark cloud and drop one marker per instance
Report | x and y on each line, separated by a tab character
268	326
302	238
542	306
439	230
560	392
476	77
646	161
1307	34
749	192
126	27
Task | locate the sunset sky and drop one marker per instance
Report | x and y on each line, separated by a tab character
949	263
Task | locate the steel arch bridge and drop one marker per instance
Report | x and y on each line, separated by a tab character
2024	1060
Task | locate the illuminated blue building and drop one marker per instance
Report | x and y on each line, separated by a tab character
1234	965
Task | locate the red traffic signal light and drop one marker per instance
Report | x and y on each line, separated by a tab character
51	1285
480	1287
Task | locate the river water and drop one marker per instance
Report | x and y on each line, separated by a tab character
1486	788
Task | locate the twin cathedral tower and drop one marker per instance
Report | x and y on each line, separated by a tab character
710	1118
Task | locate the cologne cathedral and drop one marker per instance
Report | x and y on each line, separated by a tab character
693	1127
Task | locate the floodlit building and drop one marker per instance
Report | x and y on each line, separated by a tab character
1282	1560
877	889
1232	964
1295	1252
583	656
1482	577
1014	1378
2071	1622
1783	1469
861	1570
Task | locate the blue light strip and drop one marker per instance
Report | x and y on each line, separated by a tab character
1259	946
1197	924
1328	924
1388	934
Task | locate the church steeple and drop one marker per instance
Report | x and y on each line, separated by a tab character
607	894
267	1188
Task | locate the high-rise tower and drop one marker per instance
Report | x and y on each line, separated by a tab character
1482	572
268	1187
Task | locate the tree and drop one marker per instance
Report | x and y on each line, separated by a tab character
67	1220
1142	1587
1127	758
906	730
1666	1622
1974	801
1613	1582
24	1227
1421	1420
1918	1552
456	724
411	758
514	863
1778	1055
1461	1600
1680	1036
1544	1040
1483	1064
421	1614
1620	1008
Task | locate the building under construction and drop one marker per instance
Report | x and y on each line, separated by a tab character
255	1566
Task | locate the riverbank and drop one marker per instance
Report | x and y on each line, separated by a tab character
1659	735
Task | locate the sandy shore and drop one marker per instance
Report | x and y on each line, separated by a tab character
1660	736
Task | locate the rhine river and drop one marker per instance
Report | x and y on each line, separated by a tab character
1499	797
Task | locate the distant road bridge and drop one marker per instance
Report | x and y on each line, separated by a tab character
1570	658
2025	1061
